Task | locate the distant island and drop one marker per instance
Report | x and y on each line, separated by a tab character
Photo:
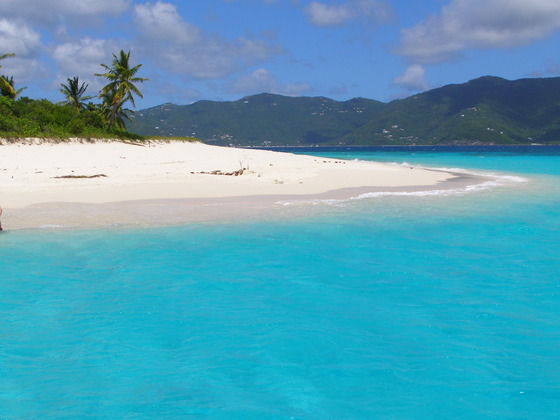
485	111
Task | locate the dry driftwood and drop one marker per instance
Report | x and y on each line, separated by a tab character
218	172
82	176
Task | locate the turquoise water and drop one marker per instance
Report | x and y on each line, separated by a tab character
391	307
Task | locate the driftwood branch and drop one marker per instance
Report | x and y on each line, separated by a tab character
219	172
82	176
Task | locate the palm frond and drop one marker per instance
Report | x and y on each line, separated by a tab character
7	87
3	56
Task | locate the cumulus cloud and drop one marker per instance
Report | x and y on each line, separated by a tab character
413	79
82	58
258	81
332	14
183	48
261	80
48	12
18	38
468	24
35	55
161	22
24	70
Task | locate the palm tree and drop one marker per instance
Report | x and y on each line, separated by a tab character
75	93
121	87
7	87
113	112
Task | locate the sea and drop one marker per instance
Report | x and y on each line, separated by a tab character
424	305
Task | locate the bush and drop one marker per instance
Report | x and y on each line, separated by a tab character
26	117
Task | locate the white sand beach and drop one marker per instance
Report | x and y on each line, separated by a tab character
66	180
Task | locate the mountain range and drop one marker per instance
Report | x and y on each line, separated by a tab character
487	110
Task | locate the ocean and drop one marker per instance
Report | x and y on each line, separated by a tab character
408	306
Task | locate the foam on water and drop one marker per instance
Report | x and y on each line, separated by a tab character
495	180
51	226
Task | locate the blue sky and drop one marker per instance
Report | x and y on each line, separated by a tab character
227	49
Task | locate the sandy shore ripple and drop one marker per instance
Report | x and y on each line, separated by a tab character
66	183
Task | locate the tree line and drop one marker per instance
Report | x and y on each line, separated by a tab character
112	112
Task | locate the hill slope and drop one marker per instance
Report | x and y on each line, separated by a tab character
263	119
487	110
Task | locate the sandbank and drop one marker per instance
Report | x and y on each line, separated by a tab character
108	183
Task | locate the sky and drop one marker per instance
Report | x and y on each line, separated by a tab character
221	50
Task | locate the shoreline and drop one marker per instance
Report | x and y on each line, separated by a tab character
101	184
170	212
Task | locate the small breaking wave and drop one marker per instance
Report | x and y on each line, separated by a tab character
494	180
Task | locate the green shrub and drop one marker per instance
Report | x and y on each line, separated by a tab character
26	117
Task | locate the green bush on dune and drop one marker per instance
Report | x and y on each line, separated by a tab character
26	117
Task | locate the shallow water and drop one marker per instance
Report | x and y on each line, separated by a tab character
387	307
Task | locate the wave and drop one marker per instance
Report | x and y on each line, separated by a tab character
495	180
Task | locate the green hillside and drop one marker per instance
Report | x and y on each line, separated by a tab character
487	110
263	119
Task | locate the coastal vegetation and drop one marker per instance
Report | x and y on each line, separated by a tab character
7	83
120	89
74	93
77	115
484	111
26	117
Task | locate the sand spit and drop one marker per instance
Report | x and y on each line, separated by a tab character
61	183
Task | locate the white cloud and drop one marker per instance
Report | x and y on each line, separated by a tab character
19	38
468	24
412	79
83	58
183	48
323	14
161	22
73	58
258	81
23	70
47	12
261	80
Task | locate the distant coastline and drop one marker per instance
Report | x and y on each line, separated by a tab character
488	147
484	111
